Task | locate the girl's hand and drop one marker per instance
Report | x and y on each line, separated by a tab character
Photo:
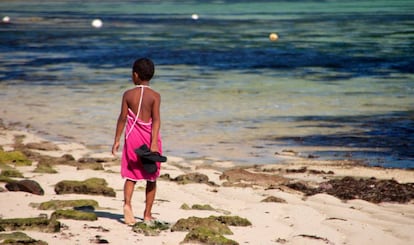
154	148
115	147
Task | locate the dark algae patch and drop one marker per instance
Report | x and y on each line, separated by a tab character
19	238
60	204
93	186
370	189
75	215
42	224
210	230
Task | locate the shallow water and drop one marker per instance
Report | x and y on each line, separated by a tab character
337	84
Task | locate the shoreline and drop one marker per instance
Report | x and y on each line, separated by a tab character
298	219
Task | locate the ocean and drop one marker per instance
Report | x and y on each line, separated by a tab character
338	83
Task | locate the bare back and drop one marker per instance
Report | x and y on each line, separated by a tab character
150	102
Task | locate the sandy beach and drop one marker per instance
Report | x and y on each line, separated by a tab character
289	217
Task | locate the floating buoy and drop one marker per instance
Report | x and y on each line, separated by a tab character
97	23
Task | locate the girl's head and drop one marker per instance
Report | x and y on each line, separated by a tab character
144	68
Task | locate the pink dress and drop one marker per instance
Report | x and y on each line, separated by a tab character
137	133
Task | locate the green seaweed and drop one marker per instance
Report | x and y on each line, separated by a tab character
19	238
16	158
75	214
185	206
44	168
202	207
6	179
11	173
94	186
273	199
38	223
193	222
60	204
207	236
232	220
152	228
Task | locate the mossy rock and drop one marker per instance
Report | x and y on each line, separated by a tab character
16	158
11	173
207	236
19	238
197	207
194	222
90	165
6	179
42	224
60	204
94	186
202	207
185	206
273	199
45	168
152	228
75	214
232	220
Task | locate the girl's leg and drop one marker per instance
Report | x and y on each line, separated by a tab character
128	190
150	191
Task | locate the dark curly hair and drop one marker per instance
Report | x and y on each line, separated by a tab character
145	68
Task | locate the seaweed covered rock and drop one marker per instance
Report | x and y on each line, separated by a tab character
152	228
42	224
75	214
30	186
43	146
206	207
371	189
19	238
94	186
205	235
242	177
232	220
16	158
190	178
274	199
195	222
60	204
11	172
46	168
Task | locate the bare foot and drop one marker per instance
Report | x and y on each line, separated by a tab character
128	215
149	218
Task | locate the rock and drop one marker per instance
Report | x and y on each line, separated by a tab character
190	178
94	186
30	186
16	158
19	238
203	235
151	228
238	176
37	224
75	215
59	204
195	222
43	146
273	199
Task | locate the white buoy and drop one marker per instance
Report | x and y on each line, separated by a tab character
194	16
6	19
97	23
273	37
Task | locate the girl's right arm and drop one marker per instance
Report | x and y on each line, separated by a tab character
120	125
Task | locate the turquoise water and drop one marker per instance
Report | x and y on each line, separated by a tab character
337	84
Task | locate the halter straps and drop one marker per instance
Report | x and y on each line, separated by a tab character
139	108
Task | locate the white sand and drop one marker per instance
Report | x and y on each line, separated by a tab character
324	216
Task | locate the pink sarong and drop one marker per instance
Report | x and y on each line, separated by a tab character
137	133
